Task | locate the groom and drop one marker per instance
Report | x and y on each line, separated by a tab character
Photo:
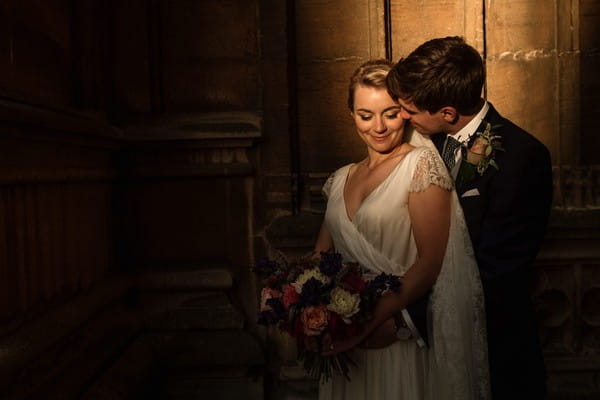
504	182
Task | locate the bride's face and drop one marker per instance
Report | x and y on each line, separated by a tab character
377	118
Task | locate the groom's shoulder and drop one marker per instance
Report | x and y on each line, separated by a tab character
520	143
517	139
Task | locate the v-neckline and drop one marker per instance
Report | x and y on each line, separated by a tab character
351	219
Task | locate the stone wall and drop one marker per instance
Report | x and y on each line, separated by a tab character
128	136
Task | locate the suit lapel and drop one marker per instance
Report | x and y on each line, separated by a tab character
438	140
476	182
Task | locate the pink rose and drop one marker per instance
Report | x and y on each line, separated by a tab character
314	320
290	296
266	294
478	151
479	146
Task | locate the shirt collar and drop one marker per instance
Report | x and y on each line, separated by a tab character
469	129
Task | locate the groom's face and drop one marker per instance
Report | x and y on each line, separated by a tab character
423	121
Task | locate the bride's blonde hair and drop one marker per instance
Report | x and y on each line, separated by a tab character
372	73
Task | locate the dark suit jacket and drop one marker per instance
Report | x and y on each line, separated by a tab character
507	222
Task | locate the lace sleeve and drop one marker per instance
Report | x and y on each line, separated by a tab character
327	186
430	170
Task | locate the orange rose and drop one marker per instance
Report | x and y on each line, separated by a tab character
314	320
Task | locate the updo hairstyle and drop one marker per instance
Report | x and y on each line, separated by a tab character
372	73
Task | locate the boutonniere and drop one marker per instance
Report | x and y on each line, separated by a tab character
481	155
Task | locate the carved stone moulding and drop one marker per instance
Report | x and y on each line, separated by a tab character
555	302
145	162
573	378
590	308
194	126
184	145
577	187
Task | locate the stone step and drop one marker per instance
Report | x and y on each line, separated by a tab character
132	375
66	369
216	384
186	279
189	311
294	231
294	384
45	349
222	365
226	348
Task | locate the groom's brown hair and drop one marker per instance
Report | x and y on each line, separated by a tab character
440	72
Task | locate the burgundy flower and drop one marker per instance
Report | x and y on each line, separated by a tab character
290	296
355	283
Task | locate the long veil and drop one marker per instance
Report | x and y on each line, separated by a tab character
458	360
458	365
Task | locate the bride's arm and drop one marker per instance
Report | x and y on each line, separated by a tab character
324	242
429	211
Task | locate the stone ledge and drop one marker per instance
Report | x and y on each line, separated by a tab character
64	370
189	311
14	176
139	373
573	223
35	339
573	378
184	365
293	373
129	375
560	250
37	335
198	279
294	384
197	126
203	349
294	231
57	119
571	363
191	386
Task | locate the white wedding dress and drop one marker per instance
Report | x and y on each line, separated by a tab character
380	238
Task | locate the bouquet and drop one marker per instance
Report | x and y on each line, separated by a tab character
318	296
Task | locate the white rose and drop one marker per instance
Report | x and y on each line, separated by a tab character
306	275
344	303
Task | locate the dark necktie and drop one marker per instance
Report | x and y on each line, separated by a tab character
449	154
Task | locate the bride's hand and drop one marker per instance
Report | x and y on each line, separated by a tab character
340	346
331	347
382	336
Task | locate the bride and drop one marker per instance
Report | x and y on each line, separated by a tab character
396	212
